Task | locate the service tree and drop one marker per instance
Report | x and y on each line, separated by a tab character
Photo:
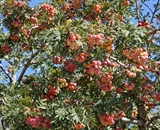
80	64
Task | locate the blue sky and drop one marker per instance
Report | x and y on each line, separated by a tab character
35	2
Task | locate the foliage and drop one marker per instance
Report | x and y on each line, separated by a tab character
79	64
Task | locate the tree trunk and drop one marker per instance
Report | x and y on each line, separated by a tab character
141	116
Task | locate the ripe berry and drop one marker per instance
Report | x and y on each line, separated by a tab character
126	3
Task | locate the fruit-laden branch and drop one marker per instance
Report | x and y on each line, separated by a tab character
114	59
6	73
153	32
131	121
152	119
27	65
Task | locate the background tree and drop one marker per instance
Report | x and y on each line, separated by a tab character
79	64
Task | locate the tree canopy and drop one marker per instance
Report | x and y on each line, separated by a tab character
80	64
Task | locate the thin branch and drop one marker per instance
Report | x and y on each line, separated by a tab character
153	32
131	121
2	122
155	10
48	57
137	9
152	119
27	65
114	59
4	102
147	6
7	73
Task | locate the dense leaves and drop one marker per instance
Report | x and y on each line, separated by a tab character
79	64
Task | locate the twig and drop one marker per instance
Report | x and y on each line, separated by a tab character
4	102
152	119
147	6
155	10
114	59
27	65
2	122
7	73
152	32
137	9
131	121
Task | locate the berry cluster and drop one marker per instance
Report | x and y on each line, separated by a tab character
71	41
52	92
20	3
26	47
156	95
149	87
49	9
72	86
58	59
94	68
81	57
62	82
71	7
79	126
107	120
129	86
97	8
17	23
108	45
6	49
76	4
95	39
70	65
119	115
108	63
91	17
14	37
33	20
109	16
119	90
131	74
38	122
138	55
105	83
143	24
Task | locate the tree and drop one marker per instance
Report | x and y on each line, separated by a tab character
79	64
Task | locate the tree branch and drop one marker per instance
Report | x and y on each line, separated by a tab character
141	115
153	32
3	125
152	119
147	6
27	65
2	122
155	10
4	102
131	121
6	73
137	9
114	59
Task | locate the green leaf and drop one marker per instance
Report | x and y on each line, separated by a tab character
60	113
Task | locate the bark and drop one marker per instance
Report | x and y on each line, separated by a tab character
141	116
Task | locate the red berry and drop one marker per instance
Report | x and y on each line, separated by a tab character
126	3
